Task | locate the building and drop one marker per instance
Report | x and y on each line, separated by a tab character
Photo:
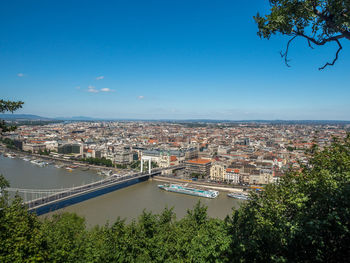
33	147
200	167
217	172
167	161
18	144
70	148
233	176
263	176
123	157
191	153
51	145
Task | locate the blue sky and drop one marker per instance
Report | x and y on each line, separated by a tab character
162	59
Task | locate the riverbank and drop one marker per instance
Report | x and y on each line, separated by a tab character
68	162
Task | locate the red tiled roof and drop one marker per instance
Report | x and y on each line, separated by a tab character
199	161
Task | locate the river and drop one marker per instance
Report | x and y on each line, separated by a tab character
127	203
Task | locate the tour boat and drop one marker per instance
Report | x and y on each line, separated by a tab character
239	196
182	189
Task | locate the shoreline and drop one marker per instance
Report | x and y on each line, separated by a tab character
214	186
61	160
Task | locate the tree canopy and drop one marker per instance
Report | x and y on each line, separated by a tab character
318	21
8	106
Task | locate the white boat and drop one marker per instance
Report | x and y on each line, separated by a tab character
182	189
38	162
105	172
239	196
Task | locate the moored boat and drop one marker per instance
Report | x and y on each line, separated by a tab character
9	155
38	162
69	168
238	196
182	189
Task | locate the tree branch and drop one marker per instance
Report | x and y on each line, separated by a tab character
330	22
324	41
285	54
319	43
316	42
309	43
336	56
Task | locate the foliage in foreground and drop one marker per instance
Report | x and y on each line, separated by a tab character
305	218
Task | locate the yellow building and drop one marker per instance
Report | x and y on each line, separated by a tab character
217	172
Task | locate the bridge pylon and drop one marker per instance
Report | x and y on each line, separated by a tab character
149	159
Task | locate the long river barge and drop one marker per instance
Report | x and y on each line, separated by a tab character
176	188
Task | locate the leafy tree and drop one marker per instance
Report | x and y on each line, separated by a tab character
98	161
8	142
318	21
136	164
20	235
200	238
305	218
196	175
65	235
290	148
8	106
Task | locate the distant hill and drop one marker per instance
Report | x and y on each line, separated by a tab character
23	117
40	118
76	118
31	117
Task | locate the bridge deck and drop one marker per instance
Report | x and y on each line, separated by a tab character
72	192
58	198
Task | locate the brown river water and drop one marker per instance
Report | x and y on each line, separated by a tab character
127	203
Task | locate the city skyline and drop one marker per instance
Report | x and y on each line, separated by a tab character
186	60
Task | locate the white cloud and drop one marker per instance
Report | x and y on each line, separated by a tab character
106	90
78	87
141	97
20	75
92	89
100	77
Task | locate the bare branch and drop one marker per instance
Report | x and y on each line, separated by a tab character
319	43
285	54
336	55
308	41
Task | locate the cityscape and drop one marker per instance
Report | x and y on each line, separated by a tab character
175	131
232	153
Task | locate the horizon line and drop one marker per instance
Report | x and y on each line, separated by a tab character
87	118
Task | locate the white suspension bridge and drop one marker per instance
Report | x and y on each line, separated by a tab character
45	200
